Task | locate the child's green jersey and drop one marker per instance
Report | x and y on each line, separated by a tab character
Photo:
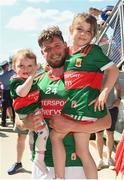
27	104
83	80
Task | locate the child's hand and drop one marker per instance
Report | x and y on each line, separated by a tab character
46	67
38	113
73	156
100	101
34	70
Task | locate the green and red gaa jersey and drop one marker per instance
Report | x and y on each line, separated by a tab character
53	98
53	95
83	79
27	104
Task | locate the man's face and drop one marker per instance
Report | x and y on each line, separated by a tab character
54	52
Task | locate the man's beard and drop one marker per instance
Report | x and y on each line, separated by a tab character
59	64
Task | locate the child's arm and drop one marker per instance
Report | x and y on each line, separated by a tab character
23	90
112	74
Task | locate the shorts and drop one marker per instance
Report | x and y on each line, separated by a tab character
114	116
20	131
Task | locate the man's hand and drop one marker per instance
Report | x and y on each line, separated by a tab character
61	124
33	122
100	101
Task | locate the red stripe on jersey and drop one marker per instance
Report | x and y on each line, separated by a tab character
76	79
86	122
52	107
84	50
21	102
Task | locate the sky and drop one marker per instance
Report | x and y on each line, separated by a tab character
21	21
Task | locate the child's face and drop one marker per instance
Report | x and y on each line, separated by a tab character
24	67
81	33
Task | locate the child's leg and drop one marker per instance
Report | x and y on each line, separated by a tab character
39	162
58	152
82	150
40	147
31	140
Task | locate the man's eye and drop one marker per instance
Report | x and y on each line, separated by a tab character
47	50
58	46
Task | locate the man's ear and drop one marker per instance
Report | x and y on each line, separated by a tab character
42	52
65	44
37	66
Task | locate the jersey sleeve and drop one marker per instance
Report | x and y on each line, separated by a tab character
14	83
101	60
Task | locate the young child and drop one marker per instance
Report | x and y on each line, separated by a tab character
26	99
84	68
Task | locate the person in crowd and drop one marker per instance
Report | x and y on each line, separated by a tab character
83	74
20	147
54	50
0	96
6	98
119	156
113	103
121	68
101	15
26	95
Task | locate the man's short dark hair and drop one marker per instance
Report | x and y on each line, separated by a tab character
49	34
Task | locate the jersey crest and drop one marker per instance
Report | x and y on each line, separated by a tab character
78	62
73	104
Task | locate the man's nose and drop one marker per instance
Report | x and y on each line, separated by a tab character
54	50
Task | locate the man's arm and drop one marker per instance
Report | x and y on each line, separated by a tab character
64	125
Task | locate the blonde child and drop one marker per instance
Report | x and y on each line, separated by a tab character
26	99
84	68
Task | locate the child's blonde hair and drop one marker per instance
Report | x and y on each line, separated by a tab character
23	53
89	19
